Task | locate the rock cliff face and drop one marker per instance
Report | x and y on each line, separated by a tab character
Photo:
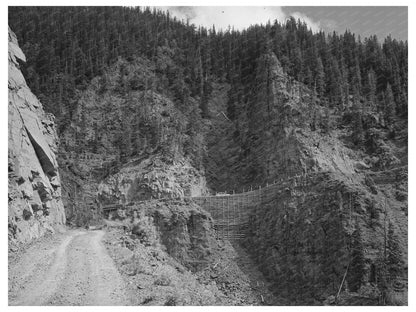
262	143
279	132
183	228
126	143
350	222
35	204
151	121
154	177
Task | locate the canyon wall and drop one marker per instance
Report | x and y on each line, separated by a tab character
34	195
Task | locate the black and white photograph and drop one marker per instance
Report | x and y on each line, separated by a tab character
207	155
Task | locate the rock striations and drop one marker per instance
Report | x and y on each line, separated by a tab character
35	205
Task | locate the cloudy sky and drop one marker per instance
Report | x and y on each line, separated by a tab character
363	21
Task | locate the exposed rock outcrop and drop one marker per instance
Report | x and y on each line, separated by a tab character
130	146
183	228
153	178
35	204
304	239
262	143
172	244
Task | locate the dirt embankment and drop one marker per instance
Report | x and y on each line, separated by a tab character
114	267
153	277
168	255
69	269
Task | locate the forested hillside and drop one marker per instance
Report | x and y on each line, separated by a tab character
150	107
66	47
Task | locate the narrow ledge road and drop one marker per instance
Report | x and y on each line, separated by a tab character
74	270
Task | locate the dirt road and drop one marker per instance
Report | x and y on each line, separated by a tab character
72	269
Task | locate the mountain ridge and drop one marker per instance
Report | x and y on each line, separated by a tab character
154	109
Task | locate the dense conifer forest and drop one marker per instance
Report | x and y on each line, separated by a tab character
68	46
166	127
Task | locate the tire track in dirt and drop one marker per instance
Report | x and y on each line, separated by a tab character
41	286
104	274
78	271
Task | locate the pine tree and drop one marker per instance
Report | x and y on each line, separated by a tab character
320	79
394	254
313	110
344	84
357	264
355	82
371	89
204	54
124	139
389	104
335	85
357	127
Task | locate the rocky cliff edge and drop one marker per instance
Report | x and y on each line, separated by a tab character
34	195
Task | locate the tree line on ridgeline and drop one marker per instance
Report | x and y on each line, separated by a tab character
66	47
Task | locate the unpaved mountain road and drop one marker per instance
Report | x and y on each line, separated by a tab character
71	269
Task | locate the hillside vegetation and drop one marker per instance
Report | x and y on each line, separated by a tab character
149	107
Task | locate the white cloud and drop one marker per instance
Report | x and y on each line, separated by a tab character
237	17
315	26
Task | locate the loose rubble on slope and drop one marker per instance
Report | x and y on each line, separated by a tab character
168	255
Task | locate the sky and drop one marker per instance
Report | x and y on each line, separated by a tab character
363	21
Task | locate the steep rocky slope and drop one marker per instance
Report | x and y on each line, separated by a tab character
129	141
277	133
35	204
281	130
151	108
153	177
327	240
352	220
168	255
